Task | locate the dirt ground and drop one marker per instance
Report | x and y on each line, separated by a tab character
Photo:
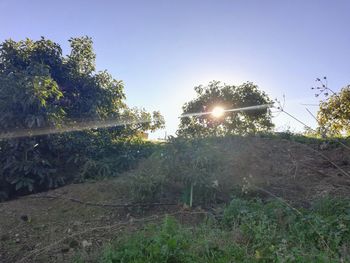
79	219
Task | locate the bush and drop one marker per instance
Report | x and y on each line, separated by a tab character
193	165
70	157
96	158
147	182
197	164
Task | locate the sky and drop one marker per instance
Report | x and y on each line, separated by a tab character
162	49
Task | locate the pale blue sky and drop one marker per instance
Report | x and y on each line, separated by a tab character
162	49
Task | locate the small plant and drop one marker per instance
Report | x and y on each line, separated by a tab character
146	183
196	164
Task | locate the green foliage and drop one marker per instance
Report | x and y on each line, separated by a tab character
278	232
170	242
250	231
334	113
98	156
165	247
310	139
147	182
194	165
42	89
141	121
228	97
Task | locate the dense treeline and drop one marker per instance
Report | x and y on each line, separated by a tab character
42	89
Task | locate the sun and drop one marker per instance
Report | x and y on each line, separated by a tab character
218	111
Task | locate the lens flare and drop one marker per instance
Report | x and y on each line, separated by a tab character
70	127
217	112
249	108
96	124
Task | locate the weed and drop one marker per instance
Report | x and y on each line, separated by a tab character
250	231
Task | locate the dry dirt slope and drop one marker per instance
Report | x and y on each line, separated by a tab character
40	228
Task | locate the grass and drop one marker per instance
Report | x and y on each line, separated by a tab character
249	231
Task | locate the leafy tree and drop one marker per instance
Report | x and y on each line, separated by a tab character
41	88
228	97
334	113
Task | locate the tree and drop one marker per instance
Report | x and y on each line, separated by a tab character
227	97
41	88
334	113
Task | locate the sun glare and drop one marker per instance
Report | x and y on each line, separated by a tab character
218	112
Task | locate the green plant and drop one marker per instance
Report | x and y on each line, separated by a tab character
277	231
196	163
333	115
229	97
166	246
250	231
40	89
170	242
147	182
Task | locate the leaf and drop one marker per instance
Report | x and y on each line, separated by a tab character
19	185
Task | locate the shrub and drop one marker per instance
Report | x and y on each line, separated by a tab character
193	165
70	157
147	182
196	163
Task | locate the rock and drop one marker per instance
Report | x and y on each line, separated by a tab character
86	244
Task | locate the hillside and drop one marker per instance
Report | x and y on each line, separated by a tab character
78	220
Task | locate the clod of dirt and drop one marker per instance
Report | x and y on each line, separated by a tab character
86	244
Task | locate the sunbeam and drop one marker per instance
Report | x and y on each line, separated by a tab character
216	112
